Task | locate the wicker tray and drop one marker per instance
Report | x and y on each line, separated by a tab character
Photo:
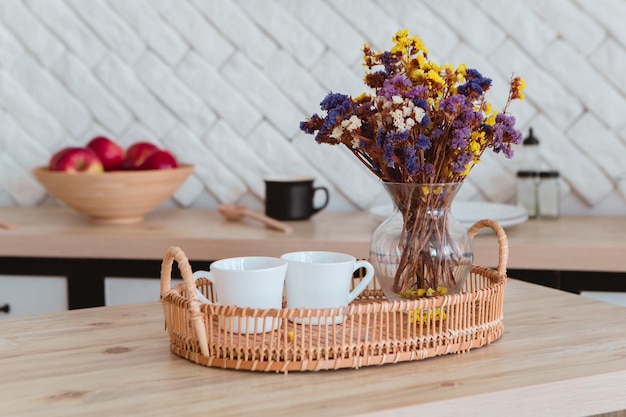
374	331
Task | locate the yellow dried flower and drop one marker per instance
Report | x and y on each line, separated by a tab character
426	316
362	98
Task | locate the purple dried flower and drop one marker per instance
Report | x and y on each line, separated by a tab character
428	169
380	137
459	138
458	166
416	91
476	84
396	86
422	142
388	60
410	160
389	90
420	102
452	104
471	90
333	100
508	152
397	137
505	134
436	134
389	154
476	77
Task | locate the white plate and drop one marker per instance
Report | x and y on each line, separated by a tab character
469	212
472	211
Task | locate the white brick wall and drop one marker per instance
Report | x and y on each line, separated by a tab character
219	94
201	35
571	23
224	84
47	90
69	29
28	113
125	84
146	21
247	37
31	31
82	83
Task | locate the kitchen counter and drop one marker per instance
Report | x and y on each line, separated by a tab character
62	242
560	355
570	243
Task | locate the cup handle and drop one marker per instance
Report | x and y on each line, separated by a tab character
325	190
207	275
365	281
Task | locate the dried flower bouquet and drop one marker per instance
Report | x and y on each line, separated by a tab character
423	124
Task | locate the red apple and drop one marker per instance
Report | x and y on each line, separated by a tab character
53	160
160	159
137	153
74	160
110	153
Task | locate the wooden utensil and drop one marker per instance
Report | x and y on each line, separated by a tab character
237	212
7	226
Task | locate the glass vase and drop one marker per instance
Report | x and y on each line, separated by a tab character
421	250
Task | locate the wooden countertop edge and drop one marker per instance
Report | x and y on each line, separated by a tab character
570	243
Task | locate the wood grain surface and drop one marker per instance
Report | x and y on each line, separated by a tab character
560	355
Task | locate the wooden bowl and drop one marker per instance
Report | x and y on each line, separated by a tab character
115	197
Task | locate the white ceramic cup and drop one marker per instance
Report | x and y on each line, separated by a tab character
251	281
321	280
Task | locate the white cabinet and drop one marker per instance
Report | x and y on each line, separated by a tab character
28	295
132	290
618	298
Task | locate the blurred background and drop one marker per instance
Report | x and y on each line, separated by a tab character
224	85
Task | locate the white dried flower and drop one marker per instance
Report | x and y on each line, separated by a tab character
352	123
419	114
398	120
337	132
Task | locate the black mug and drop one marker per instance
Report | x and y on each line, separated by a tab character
291	198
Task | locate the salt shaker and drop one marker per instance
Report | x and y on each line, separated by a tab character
548	195
526	188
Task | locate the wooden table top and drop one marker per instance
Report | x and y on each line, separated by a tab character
560	355
570	243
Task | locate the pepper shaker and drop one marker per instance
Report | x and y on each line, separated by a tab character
526	191
548	194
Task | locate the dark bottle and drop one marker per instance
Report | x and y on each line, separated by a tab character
531	158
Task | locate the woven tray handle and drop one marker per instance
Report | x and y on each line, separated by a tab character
503	243
176	254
